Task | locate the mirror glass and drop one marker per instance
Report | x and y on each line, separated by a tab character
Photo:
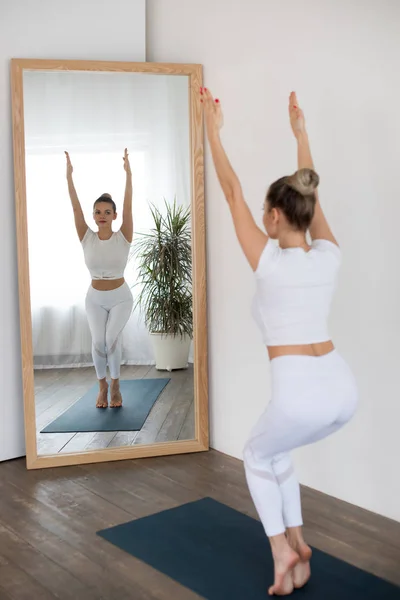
139	334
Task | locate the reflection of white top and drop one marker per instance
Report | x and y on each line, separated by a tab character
105	259
294	293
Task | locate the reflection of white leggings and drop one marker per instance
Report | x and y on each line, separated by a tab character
108	313
312	397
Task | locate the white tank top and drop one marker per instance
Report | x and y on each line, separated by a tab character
294	293
105	259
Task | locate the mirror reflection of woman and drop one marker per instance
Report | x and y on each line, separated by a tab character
109	299
313	390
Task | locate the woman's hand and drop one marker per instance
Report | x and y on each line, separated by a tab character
70	168
127	165
296	116
212	112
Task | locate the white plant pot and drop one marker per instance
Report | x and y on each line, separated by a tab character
171	352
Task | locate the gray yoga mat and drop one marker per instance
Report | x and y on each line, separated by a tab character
139	396
222	554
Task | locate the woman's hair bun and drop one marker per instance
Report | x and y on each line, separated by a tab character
304	181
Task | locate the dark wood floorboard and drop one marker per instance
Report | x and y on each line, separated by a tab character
49	518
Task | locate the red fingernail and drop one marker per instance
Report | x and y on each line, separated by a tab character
201	99
205	89
294	106
217	100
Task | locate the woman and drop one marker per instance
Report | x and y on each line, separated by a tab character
313	390
109	299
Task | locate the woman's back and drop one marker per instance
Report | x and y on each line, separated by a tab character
294	293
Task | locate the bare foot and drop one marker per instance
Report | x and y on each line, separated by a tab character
285	562
116	398
102	398
302	571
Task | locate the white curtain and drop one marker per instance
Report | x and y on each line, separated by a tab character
95	116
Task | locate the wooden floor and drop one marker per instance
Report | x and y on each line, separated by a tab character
49	518
171	418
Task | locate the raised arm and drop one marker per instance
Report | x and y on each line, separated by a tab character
127	220
319	229
80	223
251	238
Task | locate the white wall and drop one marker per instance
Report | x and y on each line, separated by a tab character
77	29
342	58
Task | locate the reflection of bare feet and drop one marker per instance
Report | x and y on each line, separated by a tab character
302	571
116	398
284	563
102	398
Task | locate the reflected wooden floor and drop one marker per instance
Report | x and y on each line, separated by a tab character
170	419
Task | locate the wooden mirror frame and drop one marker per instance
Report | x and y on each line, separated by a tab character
201	440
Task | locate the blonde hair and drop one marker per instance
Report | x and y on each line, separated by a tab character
295	196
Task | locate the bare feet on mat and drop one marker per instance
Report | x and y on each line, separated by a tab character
116	398
284	563
102	398
302	571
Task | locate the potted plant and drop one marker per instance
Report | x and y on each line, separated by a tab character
164	268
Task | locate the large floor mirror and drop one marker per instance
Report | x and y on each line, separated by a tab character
113	319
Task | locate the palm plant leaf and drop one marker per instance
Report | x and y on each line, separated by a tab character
164	256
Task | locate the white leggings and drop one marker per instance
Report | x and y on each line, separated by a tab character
312	397
108	313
